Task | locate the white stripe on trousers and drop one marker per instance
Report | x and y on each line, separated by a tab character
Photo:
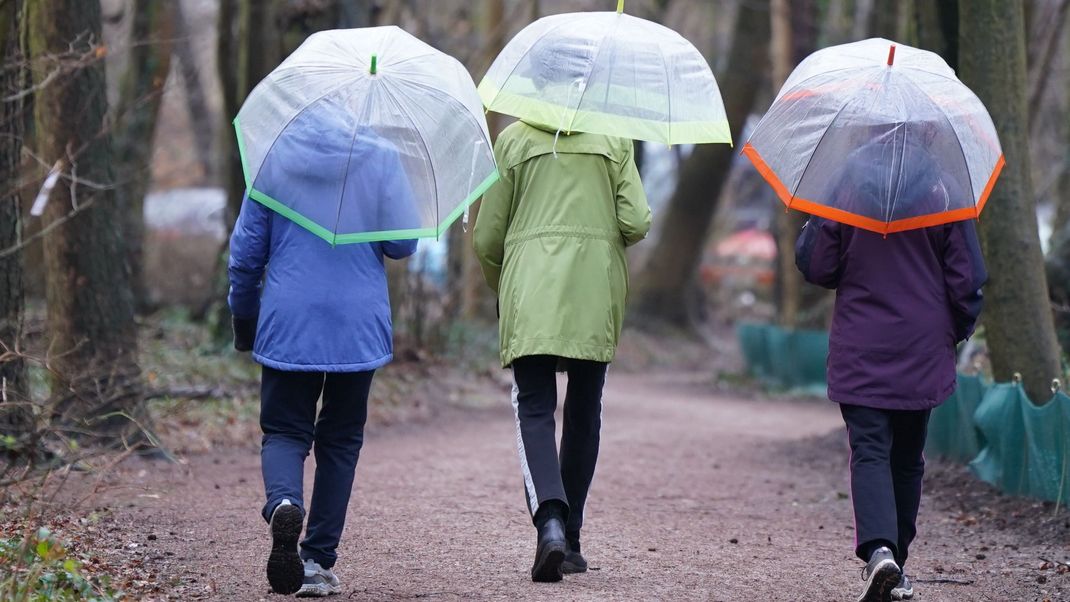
529	483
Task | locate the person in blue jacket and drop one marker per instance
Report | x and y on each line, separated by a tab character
317	318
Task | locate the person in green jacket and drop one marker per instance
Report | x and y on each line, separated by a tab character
550	237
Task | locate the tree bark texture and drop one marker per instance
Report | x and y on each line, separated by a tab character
794	38
1018	317
12	80
140	96
665	288
249	47
93	337
937	26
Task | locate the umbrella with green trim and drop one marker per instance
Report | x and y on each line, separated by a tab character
365	135
608	73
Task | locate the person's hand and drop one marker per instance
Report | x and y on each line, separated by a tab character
244	333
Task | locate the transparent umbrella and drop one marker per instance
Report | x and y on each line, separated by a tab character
364	135
608	73
880	136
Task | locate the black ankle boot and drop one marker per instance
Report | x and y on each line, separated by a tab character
574	561
551	547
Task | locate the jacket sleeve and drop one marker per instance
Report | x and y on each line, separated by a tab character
250	245
817	252
398	210
964	276
633	212
492	224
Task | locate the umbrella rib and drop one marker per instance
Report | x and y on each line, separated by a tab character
454	100
587	78
796	85
940	110
290	121
818	145
349	161
668	93
524	54
419	135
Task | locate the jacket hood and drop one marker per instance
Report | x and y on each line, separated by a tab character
546	128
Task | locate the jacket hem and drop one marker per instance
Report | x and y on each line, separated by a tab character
343	367
892	403
575	351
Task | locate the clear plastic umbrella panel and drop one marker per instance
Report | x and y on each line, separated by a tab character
880	136
608	73
364	135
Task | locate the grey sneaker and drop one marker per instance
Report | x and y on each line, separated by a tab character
881	575
319	582
284	569
903	591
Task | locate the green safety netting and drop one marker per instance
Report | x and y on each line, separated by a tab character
952	432
1027	447
783	358
1014	444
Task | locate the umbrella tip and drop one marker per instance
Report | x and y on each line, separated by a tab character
375	64
891	55
620	6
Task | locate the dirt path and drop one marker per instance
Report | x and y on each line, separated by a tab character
697	497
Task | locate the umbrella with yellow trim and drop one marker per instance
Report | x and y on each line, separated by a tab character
608	73
880	136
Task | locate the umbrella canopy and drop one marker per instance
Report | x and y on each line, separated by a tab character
608	73
879	136
365	135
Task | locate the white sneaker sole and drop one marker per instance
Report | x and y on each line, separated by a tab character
318	590
884	577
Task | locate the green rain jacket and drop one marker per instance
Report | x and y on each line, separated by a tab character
550	236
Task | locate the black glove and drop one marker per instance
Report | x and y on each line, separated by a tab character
244	333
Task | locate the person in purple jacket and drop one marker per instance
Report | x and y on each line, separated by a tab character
903	303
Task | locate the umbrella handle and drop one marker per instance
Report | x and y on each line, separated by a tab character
375	64
620	6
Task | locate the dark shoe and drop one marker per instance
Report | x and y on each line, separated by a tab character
550	552
574	561
903	591
881	575
285	571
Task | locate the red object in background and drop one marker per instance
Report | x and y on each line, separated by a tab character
750	244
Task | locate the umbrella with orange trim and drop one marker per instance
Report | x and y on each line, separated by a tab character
880	136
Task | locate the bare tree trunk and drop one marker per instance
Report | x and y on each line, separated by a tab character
140	96
1062	209
1047	39
1018	318
937	25
93	346
241	67
12	80
795	31
473	290
665	289
200	116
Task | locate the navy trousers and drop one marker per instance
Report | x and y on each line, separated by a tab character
563	478
291	428
887	466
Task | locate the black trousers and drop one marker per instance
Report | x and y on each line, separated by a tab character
548	476
887	466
